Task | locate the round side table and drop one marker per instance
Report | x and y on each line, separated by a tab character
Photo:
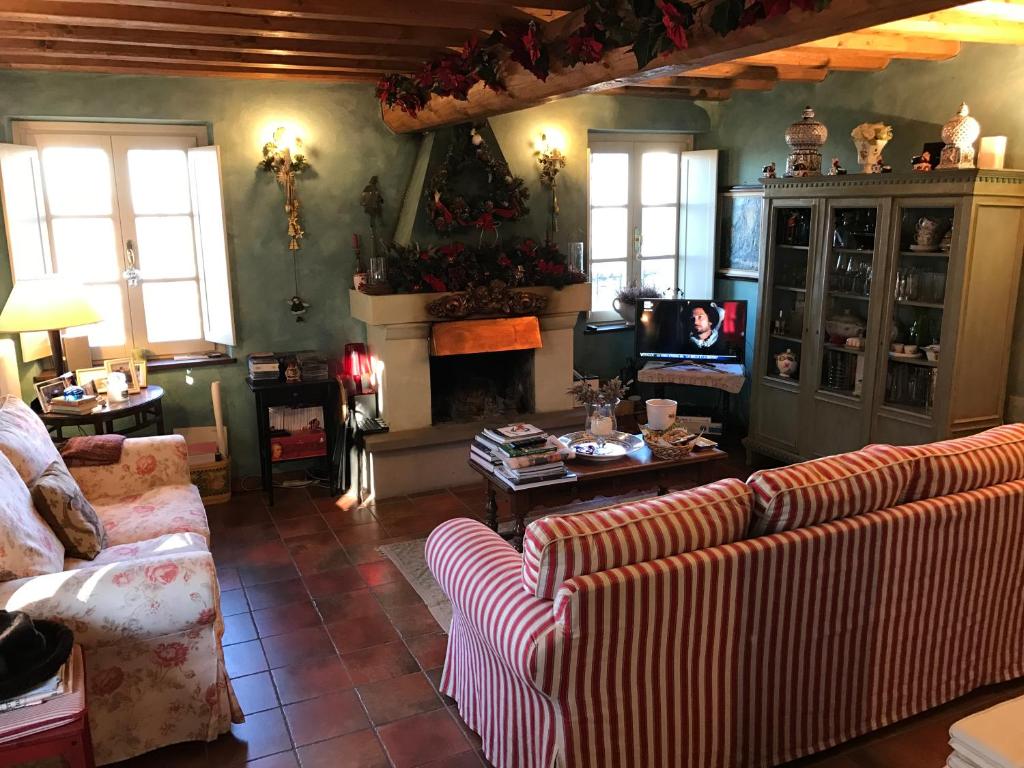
146	408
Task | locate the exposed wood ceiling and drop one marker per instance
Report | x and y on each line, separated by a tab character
358	40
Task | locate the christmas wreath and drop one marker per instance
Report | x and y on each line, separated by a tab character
453	205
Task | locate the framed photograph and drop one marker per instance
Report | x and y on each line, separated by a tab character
49	389
140	373
97	377
739	241
129	368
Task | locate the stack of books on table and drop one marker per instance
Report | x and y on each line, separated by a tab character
72	407
264	366
521	456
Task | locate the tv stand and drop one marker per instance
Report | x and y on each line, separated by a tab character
727	378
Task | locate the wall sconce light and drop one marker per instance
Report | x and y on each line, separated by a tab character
551	161
284	156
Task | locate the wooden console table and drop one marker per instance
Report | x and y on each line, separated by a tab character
638	471
301	393
146	407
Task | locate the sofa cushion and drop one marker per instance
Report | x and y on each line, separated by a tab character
951	466
828	489
153	513
560	547
27	545
162	546
24	439
59	501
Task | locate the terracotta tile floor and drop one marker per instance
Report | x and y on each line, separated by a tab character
336	661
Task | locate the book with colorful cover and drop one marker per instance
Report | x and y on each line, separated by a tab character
520	432
568	477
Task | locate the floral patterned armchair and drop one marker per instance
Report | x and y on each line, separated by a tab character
146	610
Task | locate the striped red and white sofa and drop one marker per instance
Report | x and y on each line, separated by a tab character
742	624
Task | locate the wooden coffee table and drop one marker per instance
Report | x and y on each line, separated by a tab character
636	472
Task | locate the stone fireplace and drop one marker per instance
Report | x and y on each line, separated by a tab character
428	444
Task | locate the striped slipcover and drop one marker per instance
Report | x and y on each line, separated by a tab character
830	488
558	547
747	654
951	466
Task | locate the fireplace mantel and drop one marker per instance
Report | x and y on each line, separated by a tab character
397	308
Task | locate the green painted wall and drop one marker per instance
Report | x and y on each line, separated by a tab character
914	97
348	143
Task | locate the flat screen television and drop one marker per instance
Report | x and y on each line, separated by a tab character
704	330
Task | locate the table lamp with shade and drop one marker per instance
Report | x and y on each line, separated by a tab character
48	303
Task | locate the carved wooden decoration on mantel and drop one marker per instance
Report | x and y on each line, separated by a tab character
494	299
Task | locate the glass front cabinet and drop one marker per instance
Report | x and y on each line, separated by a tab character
886	309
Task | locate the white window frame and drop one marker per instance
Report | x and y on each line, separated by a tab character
695	210
212	267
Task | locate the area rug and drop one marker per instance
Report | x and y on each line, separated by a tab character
409	557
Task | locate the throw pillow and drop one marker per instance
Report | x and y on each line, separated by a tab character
560	547
27	546
831	488
60	502
24	439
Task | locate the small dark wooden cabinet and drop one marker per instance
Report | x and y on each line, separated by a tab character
298	394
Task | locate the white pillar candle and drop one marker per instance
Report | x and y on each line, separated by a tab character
601	426
992	152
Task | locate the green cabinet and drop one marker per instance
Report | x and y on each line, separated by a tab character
887	305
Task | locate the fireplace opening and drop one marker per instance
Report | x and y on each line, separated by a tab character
481	387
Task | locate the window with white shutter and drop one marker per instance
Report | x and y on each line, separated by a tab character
113	200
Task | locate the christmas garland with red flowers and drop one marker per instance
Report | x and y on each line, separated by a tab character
651	27
504	199
459	267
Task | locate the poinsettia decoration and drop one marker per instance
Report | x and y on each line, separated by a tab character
454	209
651	28
459	267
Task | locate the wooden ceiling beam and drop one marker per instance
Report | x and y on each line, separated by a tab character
690	94
127	53
889	44
808	57
178	70
402	55
618	68
415	13
91	14
961	25
712	83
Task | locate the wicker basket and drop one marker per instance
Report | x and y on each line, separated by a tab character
660	443
213	480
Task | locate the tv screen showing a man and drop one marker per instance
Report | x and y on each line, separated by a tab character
707	330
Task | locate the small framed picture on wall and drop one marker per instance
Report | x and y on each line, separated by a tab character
739	237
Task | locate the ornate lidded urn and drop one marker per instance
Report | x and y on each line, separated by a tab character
959	133
805	139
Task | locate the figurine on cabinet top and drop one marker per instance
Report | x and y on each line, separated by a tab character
768	171
922	162
836	169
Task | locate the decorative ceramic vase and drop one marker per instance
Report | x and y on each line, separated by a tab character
786	363
601	420
959	133
805	139
925	235
869	154
626	309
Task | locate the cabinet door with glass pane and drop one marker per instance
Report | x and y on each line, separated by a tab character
917	302
854	241
789	268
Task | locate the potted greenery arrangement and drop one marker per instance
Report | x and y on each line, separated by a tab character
626	299
600	403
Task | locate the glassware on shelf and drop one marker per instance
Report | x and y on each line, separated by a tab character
577	260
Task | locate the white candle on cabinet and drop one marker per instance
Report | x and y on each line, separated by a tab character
992	152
